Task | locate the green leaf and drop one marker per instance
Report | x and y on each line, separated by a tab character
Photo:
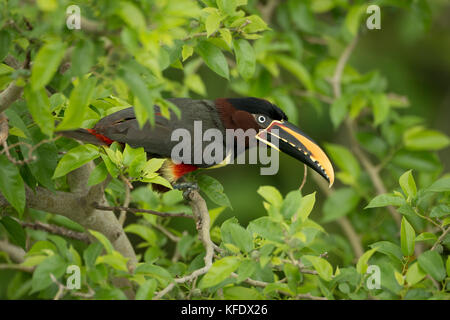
339	109
302	16
245	58
442	185
76	158
408	184
220	270
267	228
322	266
431	262
155	272
424	236
419	138
340	203
103	240
271	195
227	6
134	160
234	233
212	23
214	190
246	269
46	158
115	260
306	206
39	107
344	159
414	274
440	210
214	58
380	105
353	18
98	175
362	265
447	265
388	248
11	184
91	253
131	15
46	63
241	293
291	204
5	43
187	51
293	276
143	231
79	100
297	69
15	230
153	165
407	238
146	290
82	57
417	160
384	200
41	276
141	91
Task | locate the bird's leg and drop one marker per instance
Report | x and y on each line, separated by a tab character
186	187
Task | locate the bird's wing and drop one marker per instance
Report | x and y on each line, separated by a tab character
123	127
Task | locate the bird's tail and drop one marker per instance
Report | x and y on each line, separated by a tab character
84	135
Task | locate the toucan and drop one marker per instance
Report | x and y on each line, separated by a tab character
268	120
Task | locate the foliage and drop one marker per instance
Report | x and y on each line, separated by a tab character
391	191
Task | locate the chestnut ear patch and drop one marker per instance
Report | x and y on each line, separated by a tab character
244	120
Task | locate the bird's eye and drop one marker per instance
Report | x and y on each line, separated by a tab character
261	119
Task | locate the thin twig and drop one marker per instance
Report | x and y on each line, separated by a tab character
5	266
205	34
167	233
135	210
343	222
309	296
441	238
56	230
304	177
31	148
126	202
4	130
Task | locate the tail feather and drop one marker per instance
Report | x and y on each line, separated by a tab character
82	135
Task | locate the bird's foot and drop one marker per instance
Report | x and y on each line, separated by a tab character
186	187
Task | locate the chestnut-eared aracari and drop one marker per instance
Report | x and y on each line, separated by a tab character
221	114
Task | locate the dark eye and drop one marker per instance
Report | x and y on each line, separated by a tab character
261	119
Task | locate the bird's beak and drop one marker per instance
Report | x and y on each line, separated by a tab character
295	143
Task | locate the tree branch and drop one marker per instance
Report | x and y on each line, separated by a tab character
16	253
370	168
136	210
53	229
203	222
13	92
76	206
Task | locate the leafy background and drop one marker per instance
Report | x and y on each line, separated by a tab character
383	121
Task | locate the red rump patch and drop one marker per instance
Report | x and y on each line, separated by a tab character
102	138
181	169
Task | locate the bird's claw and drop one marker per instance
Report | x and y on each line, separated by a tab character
186	187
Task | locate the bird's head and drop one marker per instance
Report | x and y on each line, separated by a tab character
274	130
